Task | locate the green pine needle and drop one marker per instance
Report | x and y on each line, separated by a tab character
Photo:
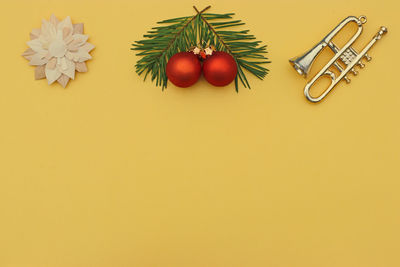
180	34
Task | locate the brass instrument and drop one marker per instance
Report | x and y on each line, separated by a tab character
345	59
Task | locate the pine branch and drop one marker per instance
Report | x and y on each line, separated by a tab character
213	30
238	45
161	44
180	34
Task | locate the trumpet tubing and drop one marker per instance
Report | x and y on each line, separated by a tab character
344	60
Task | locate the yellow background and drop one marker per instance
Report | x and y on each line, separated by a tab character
114	172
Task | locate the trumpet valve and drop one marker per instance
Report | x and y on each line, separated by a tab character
347	79
368	58
362	65
354	72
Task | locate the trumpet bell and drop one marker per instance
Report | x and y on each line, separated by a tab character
302	64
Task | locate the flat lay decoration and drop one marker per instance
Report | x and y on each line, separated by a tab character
342	63
223	54
57	50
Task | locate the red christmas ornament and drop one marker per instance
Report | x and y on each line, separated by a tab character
183	69
220	69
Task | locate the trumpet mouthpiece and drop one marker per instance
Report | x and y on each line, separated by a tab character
383	30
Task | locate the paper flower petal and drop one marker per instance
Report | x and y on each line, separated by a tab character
52	75
48	31
67	32
40	72
45	26
78	28
66	23
81	38
63	80
81	56
78	41
28	54
81	67
87	47
35	33
67	67
38	59
36	46
52	64
54	20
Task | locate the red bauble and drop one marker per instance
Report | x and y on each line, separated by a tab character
220	69
183	69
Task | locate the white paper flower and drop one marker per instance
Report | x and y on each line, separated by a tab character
58	49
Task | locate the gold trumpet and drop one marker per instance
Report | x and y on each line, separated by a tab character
344	61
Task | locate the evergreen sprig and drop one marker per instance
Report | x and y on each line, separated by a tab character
180	34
